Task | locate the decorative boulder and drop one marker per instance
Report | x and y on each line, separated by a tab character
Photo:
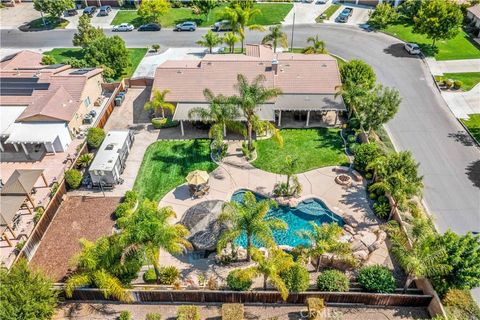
361	255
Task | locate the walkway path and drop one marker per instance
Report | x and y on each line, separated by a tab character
463	103
438	68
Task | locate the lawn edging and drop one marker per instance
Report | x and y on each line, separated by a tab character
469	133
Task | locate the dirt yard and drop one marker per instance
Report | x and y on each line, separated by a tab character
77	217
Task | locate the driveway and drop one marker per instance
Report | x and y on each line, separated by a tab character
438	68
97	21
463	103
359	16
14	17
305	13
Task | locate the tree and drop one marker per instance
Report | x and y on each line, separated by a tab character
276	37
409	9
438	19
230	39
86	32
358	73
205	6
239	18
54	8
352	94
244	4
151	10
365	154
325	239
383	15
148	230
289	169
318	46
159	102
250	218
48	60
26	294
109	51
210	40
251	95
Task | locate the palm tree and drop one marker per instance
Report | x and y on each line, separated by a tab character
352	95
148	230
159	102
249	217
251	95
230	39
318	46
221	113
210	40
325	239
377	165
271	266
275	37
290	168
239	18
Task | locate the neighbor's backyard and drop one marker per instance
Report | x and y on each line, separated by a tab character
166	164
314	148
270	13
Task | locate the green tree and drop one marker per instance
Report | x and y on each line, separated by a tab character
151	10
239	18
110	51
249	217
48	60
317	46
244	4
409	9
276	37
205	6
86	32
358	73
251	95
53	8
148	230
352	94
383	15
230	39
159	102
438	19
210	40
365	154
25	294
325	239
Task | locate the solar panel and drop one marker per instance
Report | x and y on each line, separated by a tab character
82	71
21	86
54	66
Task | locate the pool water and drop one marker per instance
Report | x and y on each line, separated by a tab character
297	219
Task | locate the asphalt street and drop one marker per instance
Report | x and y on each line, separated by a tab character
449	161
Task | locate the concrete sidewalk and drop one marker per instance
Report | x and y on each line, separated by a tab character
438	68
463	103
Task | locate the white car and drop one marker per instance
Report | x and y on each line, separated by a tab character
412	48
123	27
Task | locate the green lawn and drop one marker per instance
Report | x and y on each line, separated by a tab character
314	148
166	164
52	23
136	55
473	125
330	11
469	79
271	13
460	47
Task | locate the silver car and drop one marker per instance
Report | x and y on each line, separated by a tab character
186	26
123	27
412	48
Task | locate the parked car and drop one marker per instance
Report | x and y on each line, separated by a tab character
308	1
345	14
322	1
90	10
186	26
150	27
123	27
104	10
71	12
223	25
412	48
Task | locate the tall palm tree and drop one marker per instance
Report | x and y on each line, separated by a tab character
276	37
249	217
159	102
251	95
325	239
271	266
210	40
230	39
148	230
317	46
221	114
239	18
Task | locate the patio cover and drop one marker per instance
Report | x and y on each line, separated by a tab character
265	111
35	132
21	182
9	206
8	115
309	102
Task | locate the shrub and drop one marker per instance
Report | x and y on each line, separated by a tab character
381	209
168	275
333	280
95	137
131	198
84	160
19	246
352	138
364	155
297	278
448	83
354	123
239	280
353	147
47	60
38	214
149	276
187	313
376	279
73	177
122	209
156	47
125	315
372	195
153	316
460	305
457	84
54	189
232	311
162	123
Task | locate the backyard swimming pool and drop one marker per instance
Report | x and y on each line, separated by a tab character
297	219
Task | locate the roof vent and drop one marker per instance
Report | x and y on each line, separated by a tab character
110	146
260	63
179	71
209	63
324	65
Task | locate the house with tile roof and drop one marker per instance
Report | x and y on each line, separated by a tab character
473	13
308	82
44	105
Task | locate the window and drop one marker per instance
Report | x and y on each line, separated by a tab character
87	102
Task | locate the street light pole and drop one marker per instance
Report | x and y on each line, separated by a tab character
293	30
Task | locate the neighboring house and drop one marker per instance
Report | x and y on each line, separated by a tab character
308	83
44	105
473	13
109	162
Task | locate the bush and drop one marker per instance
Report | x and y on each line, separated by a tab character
376	279
156	47
354	123
38	214
168	275
95	137
131	198
48	60
381	209
122	209
73	177
162	123
297	278
232	311
54	189
364	155
84	160
448	83
333	281
457	84
352	138
187	313
125	315
153	316
353	147
149	276
460	305
239	280
372	195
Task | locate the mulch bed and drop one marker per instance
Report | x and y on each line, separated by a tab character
77	217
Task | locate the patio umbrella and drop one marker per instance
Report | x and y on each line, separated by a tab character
197	177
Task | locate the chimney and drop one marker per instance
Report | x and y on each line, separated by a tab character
275	65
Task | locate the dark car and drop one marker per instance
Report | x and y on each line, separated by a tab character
90	10
150	27
71	12
104	10
345	14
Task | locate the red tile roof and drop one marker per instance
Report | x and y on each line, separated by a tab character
475	10
22	59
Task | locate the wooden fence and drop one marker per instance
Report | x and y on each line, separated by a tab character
108	109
